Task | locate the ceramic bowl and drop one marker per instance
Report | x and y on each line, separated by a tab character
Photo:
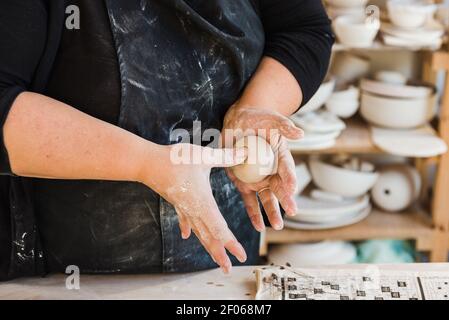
350	67
410	13
397	113
319	98
347	3
313	254
344	103
397	188
391	77
413	90
344	182
334	12
356	31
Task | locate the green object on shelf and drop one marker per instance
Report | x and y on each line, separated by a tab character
385	251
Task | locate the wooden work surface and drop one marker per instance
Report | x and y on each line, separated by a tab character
197	286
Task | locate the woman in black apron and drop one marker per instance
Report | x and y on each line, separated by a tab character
88	116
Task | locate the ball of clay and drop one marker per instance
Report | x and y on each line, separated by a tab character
397	188
260	162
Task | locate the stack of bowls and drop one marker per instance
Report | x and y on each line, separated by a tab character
342	198
321	128
412	24
391	103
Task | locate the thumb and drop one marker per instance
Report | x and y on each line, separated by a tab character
225	158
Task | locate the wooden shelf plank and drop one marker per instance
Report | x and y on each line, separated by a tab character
379	225
378	45
356	138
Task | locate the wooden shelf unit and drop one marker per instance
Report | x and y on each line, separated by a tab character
430	231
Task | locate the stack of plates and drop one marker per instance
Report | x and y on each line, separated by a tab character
430	35
319	214
321	129
313	254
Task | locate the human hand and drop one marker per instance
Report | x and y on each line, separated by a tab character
276	189
186	185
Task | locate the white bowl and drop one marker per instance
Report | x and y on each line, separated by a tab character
418	90
410	13
334	12
319	98
391	77
344	103
350	67
344	182
347	3
397	113
356	31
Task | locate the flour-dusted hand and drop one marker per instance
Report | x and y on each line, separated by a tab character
276	189
184	182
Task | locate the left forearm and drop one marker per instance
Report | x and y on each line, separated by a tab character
273	87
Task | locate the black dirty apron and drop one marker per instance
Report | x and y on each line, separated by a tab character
180	62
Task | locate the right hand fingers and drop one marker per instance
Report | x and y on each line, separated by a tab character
272	209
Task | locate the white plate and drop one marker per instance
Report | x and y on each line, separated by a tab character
420	143
313	254
401	42
432	30
319	122
298	146
331	225
397	91
309	206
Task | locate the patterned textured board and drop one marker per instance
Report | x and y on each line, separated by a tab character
371	283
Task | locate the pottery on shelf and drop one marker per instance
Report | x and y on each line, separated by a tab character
344	103
390	77
418	143
319	122
347	3
303	177
410	13
342	181
313	254
319	98
397	188
349	67
397	113
413	90
356	31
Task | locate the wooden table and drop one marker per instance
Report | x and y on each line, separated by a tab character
198	286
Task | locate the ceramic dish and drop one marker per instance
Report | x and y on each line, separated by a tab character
313	254
410	13
397	113
350	67
344	103
319	122
303	177
301	146
356	31
432	30
309	206
341	181
356	218
347	3
418	90
407	43
419	143
391	77
319	98
335	12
